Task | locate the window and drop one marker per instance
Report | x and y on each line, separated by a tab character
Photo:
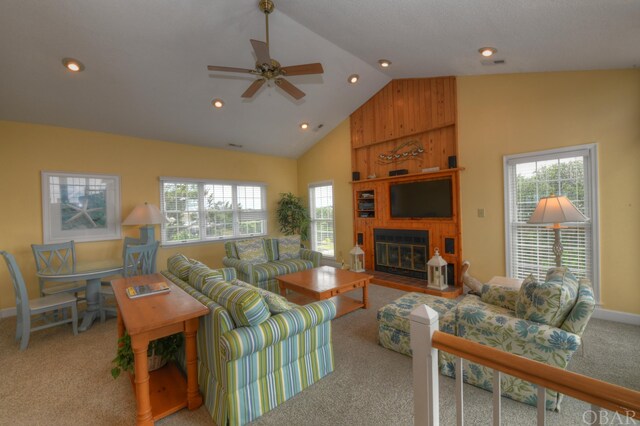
208	210
321	208
528	177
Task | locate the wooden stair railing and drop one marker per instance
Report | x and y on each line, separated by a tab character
426	340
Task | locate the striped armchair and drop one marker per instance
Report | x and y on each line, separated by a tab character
245	371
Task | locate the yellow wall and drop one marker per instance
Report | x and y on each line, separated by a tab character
508	114
27	149
330	159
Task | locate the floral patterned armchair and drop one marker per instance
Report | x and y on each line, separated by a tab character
541	321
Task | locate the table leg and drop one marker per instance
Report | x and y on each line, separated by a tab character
194	399
143	401
283	290
365	295
93	307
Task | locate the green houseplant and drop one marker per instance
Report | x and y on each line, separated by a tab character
293	216
166	348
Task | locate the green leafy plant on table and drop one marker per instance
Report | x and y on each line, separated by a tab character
293	216
165	347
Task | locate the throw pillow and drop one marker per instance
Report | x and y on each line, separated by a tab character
200	274
549	302
230	249
246	306
179	265
525	296
271	247
496	295
252	251
289	247
276	303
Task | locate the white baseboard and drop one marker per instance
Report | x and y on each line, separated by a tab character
623	317
7	312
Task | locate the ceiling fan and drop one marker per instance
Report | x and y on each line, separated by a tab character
269	69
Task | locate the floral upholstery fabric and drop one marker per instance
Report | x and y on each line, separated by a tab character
579	316
549	302
251	251
504	297
525	295
289	247
276	303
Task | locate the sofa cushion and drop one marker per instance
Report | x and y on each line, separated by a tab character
525	295
246	306
251	251
270	270
396	313
179	265
289	247
505	297
200	275
271	248
276	303
230	249
550	302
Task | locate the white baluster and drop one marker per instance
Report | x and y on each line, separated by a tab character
424	322
459	392
542	400
497	401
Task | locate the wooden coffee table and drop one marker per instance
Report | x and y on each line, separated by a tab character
324	283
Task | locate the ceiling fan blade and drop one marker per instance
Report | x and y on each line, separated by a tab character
228	69
303	69
262	51
253	88
290	88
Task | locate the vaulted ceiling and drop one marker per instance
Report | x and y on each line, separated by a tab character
146	60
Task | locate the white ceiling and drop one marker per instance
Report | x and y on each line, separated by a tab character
146	59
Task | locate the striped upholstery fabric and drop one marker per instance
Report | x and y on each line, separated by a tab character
271	247
230	249
269	270
245	305
276	303
199	275
314	256
179	265
239	390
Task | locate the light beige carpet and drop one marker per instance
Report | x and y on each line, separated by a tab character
63	379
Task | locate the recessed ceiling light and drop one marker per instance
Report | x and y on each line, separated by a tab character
487	51
217	103
304	126
353	78
72	64
384	63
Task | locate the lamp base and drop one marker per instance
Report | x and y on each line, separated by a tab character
147	233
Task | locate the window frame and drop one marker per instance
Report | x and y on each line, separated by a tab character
591	179
236	213
311	188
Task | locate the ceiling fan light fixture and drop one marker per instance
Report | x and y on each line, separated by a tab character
384	63
304	126
73	65
353	78
218	103
487	51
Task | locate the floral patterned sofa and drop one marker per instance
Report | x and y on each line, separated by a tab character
255	349
260	260
541	321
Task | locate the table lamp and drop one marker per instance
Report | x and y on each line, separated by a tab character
148	216
556	209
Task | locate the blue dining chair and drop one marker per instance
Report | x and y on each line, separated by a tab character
137	259
26	308
55	258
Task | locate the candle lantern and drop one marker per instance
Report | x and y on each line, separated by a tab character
357	259
437	272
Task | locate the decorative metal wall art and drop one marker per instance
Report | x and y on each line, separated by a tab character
409	150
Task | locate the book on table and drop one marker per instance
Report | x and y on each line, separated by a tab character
147	289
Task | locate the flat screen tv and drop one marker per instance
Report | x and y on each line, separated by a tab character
429	198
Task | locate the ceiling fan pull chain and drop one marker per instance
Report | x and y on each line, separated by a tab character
266	17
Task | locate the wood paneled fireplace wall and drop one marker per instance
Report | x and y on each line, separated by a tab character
407	133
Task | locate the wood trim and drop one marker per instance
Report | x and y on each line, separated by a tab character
602	394
439	173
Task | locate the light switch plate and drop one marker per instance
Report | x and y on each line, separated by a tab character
480	212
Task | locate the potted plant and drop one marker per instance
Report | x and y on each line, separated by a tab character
159	352
293	216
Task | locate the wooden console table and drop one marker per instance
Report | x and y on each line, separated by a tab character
164	391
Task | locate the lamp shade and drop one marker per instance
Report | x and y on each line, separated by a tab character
556	209
145	214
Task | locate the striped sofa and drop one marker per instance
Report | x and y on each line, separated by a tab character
264	275
246	370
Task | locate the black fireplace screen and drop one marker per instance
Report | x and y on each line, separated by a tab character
402	252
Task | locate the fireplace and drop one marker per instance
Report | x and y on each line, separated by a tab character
402	252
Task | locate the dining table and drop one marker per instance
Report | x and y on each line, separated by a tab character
91	272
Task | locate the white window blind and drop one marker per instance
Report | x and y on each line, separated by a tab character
211	210
321	212
529	177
